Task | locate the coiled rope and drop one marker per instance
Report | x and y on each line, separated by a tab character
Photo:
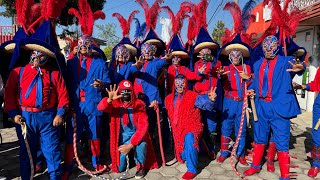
85	170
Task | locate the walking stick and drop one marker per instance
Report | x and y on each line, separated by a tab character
156	107
253	107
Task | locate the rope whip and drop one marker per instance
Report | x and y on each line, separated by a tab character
235	146
85	170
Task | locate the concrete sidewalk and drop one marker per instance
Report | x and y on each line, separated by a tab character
300	144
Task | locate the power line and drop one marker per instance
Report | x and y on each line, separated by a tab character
119	5
219	7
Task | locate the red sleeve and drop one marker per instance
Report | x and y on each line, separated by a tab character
190	75
142	126
11	92
105	106
315	84
62	93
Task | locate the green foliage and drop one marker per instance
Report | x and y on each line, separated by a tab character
65	19
107	32
218	32
108	52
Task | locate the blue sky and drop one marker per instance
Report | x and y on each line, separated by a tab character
125	7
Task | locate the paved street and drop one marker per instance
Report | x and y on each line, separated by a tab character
299	146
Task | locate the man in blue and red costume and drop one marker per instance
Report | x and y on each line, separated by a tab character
180	55
89	76
275	102
209	80
37	95
234	75
128	129
314	86
124	68
183	108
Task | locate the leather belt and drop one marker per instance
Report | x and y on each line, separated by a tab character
267	99
33	109
233	98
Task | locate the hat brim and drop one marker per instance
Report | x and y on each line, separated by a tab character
181	54
210	45
8	46
132	49
243	49
300	52
155	42
37	47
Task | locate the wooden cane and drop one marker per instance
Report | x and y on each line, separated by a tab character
248	118
253	107
317	125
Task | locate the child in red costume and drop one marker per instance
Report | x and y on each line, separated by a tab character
185	118
128	129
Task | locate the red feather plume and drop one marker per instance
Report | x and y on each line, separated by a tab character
86	17
125	24
192	31
151	13
177	20
286	21
24	12
199	12
236	13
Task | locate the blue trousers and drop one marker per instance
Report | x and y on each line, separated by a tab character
209	119
90	123
139	155
190	153
316	133
268	118
232	111
40	125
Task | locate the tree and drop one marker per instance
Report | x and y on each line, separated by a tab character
108	33
108	52
218	32
65	19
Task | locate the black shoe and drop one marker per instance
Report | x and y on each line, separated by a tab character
141	172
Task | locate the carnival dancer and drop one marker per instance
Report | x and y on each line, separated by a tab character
43	111
183	108
234	74
235	56
275	102
128	129
180	54
36	34
298	53
88	76
205	47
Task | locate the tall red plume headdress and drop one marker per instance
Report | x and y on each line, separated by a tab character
197	20
151	13
242	19
48	10
86	17
125	24
177	20
27	13
286	21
